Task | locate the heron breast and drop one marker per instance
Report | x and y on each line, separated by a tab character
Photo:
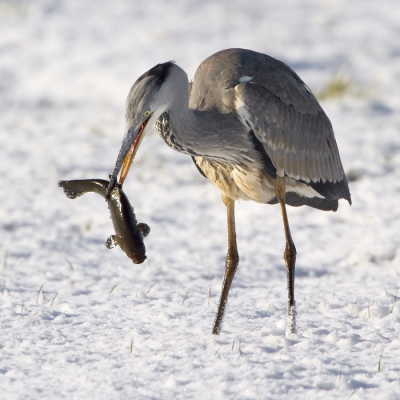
238	182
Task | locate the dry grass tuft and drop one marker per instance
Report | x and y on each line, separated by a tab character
337	87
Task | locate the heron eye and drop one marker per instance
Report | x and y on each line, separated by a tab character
146	114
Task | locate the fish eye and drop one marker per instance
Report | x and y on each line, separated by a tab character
146	114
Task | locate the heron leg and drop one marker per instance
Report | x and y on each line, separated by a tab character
232	261
289	255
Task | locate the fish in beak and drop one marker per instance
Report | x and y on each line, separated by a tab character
130	145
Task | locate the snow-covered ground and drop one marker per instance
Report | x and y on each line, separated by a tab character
81	321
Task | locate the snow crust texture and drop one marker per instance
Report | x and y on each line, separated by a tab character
81	321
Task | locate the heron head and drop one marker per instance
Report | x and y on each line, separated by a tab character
148	98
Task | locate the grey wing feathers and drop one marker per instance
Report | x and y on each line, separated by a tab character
294	130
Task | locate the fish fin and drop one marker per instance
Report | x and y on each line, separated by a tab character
144	229
111	242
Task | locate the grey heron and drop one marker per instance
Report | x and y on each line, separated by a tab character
253	128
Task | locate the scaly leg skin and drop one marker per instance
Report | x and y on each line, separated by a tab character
232	261
290	260
289	256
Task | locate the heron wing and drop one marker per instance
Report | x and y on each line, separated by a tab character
294	130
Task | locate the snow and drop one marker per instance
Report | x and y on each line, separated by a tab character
81	321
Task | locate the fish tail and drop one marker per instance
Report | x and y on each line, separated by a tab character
76	188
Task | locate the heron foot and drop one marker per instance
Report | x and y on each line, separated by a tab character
291	320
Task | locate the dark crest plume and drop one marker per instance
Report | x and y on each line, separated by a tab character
160	72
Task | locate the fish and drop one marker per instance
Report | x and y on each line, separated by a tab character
128	233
